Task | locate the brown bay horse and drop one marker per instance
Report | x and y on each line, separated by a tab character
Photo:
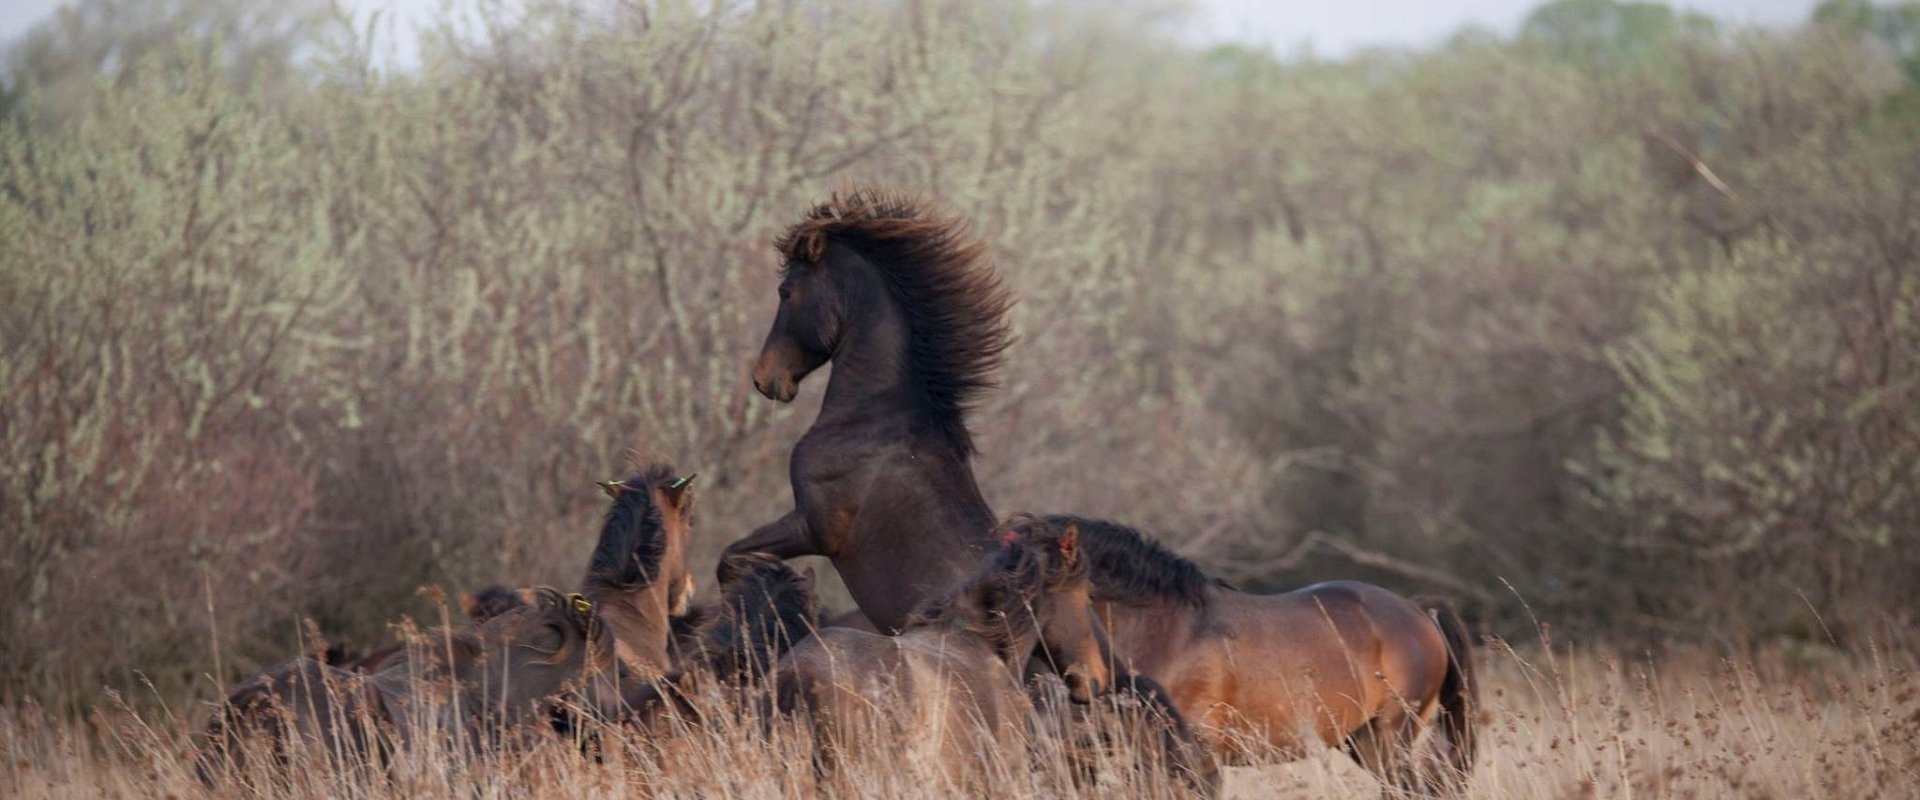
1341	663
637	577
900	299
470	685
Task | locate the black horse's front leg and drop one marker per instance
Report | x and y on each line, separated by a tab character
786	537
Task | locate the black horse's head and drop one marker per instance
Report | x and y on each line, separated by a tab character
898	280
806	329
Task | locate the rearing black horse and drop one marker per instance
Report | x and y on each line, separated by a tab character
900	299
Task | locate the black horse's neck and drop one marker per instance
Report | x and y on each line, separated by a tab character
877	404
873	379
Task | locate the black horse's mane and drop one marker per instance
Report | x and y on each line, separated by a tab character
954	304
633	541
1130	567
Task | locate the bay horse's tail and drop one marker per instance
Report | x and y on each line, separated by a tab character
1459	694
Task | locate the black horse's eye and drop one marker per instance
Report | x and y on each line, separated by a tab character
786	292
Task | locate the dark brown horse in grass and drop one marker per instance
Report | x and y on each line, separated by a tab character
474	685
1339	663
900	300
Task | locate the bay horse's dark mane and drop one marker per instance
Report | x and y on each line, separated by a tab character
633	527
1130	567
954	304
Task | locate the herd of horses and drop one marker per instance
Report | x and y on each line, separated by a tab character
967	622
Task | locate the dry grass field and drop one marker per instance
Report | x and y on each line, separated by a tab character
1565	723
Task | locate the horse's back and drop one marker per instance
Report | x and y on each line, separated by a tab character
901	671
834	672
973	685
1324	658
303	688
864	692
1367	618
297	699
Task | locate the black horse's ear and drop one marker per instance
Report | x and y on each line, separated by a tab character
1070	542
612	488
679	490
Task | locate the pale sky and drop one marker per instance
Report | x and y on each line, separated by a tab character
1337	28
1332	28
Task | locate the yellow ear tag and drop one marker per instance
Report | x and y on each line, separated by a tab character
581	605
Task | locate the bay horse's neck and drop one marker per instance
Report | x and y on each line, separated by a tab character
1144	633
638	620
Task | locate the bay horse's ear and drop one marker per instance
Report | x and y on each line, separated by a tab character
1070	541
679	490
680	602
612	488
470	603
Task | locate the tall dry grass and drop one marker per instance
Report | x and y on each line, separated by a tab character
1562	722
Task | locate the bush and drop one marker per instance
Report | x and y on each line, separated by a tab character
297	341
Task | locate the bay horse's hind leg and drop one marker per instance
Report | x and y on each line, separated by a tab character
1384	747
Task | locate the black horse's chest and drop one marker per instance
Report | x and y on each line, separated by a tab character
829	482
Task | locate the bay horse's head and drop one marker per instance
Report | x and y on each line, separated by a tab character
1032	598
1070	638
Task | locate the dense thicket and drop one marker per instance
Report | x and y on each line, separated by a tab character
1620	311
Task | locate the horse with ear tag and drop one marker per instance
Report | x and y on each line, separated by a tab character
638	576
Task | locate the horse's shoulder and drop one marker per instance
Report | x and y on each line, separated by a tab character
841	469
